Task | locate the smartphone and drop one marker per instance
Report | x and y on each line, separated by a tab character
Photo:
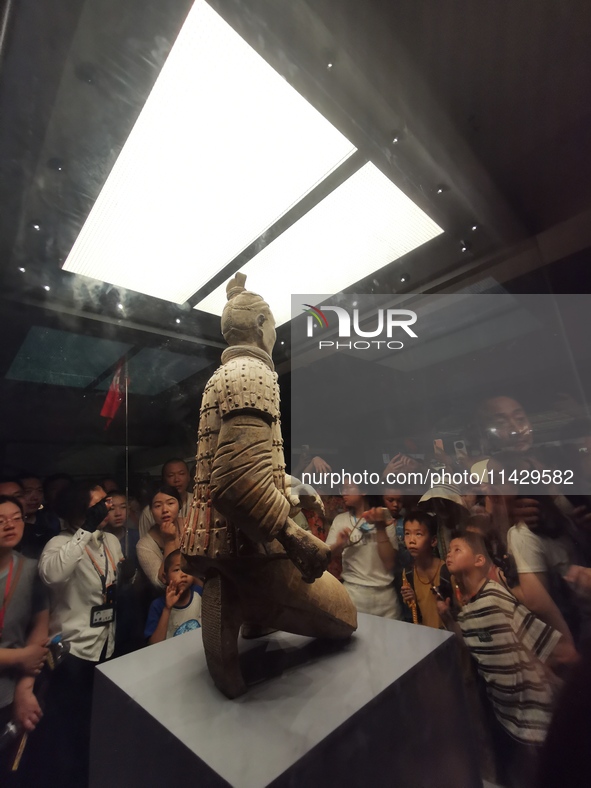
435	590
460	449
438	447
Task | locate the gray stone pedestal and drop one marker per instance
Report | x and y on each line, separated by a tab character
386	709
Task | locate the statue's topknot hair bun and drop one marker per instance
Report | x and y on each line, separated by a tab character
236	286
241	311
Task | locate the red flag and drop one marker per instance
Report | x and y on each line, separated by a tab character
114	397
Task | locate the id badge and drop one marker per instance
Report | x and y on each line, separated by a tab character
101	615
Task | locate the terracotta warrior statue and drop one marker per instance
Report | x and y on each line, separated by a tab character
260	568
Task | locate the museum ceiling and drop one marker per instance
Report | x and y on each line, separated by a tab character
478	112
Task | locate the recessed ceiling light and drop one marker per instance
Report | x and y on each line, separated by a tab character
178	320
55	164
223	147
35	226
364	224
86	72
47	287
22	270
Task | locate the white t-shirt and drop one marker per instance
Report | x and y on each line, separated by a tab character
180	619
184	619
535	553
361	561
75	587
147	518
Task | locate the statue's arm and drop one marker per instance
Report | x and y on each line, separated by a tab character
242	486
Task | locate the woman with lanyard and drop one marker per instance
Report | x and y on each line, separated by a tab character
368	547
24	620
80	568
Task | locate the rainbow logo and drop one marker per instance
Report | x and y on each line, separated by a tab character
316	313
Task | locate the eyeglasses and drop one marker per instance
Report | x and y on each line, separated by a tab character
6	521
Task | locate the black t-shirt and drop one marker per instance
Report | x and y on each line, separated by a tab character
37	534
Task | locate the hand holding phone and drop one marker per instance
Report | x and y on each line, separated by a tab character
437	592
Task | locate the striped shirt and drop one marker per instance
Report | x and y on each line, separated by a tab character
509	644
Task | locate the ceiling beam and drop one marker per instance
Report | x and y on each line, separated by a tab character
322	190
61	309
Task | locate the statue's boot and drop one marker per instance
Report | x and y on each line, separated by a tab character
221	619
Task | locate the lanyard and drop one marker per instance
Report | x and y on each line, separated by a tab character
354	520
97	568
6	596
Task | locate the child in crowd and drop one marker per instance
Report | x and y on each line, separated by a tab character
500	565
179	610
514	652
427	579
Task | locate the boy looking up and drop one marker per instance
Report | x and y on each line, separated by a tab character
510	646
420	584
179	610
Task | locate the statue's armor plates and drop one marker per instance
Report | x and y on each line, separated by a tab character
245	383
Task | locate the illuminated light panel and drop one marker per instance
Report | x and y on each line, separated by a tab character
363	225
223	147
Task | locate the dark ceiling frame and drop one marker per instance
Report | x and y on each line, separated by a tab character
300	38
6	11
298	41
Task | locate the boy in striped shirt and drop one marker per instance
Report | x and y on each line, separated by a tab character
514	652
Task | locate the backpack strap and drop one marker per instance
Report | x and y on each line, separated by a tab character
445	583
445	577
